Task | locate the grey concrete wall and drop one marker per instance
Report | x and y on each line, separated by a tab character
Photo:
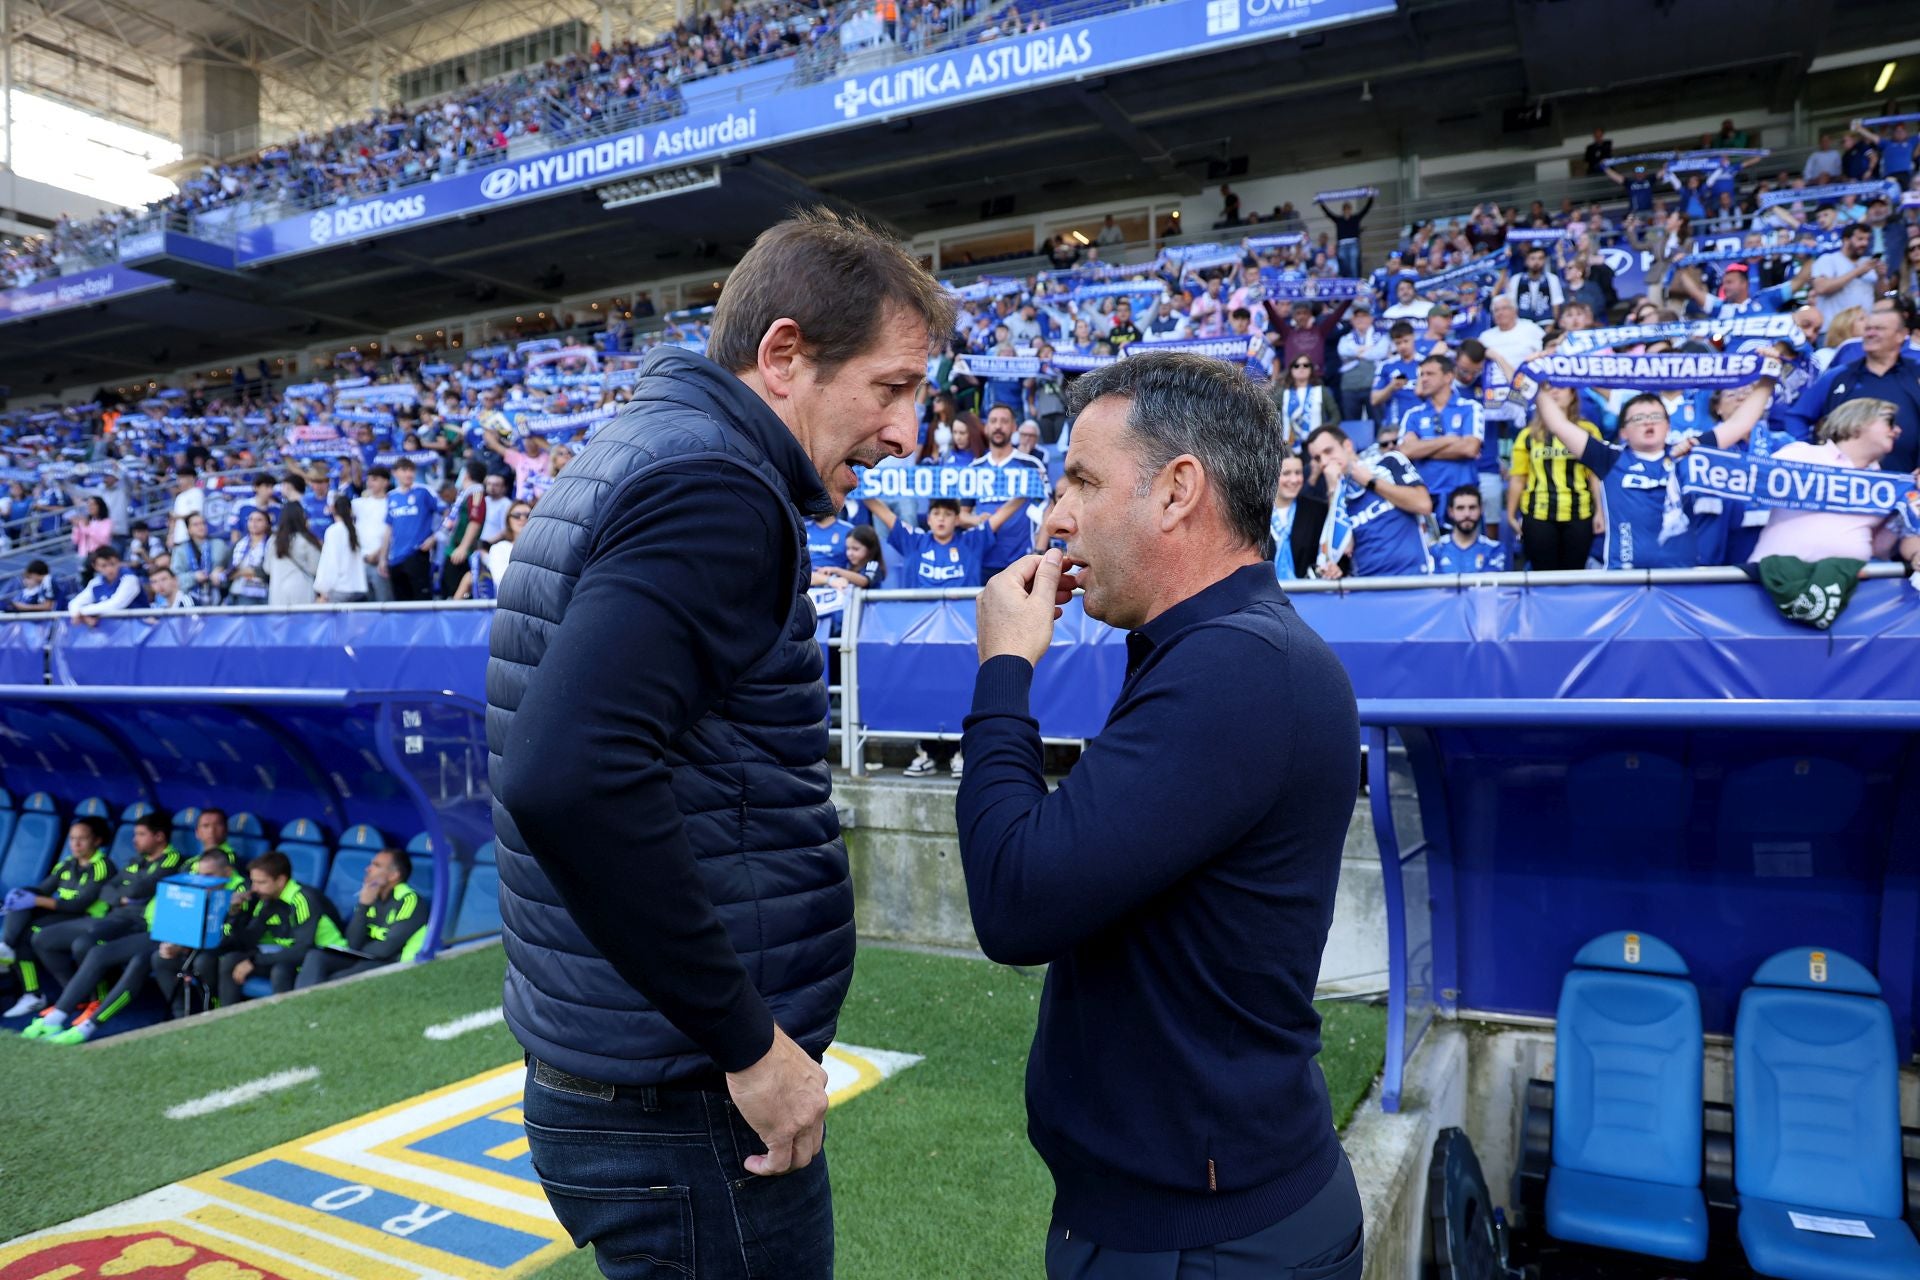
908	885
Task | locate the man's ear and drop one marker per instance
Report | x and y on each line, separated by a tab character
1180	490
781	352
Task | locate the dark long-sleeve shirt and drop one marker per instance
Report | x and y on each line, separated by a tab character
689	582
75	886
1348	228
135	884
1180	883
384	928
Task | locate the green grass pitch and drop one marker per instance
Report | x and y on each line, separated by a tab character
932	1174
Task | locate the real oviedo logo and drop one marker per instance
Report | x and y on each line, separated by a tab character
329	225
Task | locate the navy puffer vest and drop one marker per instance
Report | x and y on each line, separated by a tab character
750	777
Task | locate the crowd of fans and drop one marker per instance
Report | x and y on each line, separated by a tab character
406	477
81	944
608	88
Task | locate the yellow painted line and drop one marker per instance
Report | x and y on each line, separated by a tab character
305	1247
544	1227
512	1115
381	1242
512	1150
868	1075
403	1149
355	1122
60	1273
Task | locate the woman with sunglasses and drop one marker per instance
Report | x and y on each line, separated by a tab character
1304	401
486	568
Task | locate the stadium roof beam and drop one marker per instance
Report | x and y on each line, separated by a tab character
1122	126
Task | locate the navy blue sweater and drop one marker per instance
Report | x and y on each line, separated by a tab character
1180	883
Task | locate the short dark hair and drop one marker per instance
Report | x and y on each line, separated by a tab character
1473	349
159	822
1241	313
39	567
260	478
273	862
403	461
1445	362
381	472
1327	429
214	809
1645	397
1464	491
944	504
1187	404
402	862
98	825
295	481
836	276
1401	329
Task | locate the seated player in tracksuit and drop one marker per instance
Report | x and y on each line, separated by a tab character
135	956
123	902
45	919
389	924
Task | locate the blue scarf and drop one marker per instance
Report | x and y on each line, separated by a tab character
1345	193
1122	289
998	366
1282	240
1875	122
1801	486
1581	341
1316	289
1073	362
1487	268
1670	371
1832	191
1232	348
1336	535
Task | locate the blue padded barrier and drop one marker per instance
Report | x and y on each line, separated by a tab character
35	842
1627	1102
355	649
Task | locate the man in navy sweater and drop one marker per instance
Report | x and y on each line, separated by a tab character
1179	883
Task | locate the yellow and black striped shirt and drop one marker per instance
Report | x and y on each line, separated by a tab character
1554	484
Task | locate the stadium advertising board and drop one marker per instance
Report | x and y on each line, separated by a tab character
66	292
1106	44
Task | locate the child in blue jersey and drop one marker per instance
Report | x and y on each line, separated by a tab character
37	593
942	556
1464	549
1650	524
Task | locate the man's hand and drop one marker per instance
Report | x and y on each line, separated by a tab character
369	892
243	971
169	951
784	1098
1016	611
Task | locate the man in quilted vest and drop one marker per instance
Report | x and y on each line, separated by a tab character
673	887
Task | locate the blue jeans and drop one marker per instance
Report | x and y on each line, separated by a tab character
653	1179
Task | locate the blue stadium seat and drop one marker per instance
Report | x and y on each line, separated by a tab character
485	855
121	850
480	905
247	836
343	882
93	807
309	861
304	844
362	836
7	818
184	822
35	841
1627	1107
1816	1117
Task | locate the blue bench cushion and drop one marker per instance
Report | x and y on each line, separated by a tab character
480	905
1775	1247
343	881
1622	1213
309	861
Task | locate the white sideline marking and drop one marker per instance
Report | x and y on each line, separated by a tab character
221	1099
460	1026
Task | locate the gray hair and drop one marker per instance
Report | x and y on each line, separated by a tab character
1188	404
